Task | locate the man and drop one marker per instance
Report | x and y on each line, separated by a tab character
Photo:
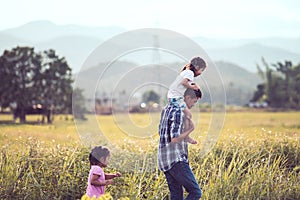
173	149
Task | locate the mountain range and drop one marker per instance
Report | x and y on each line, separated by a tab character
76	43
234	59
132	80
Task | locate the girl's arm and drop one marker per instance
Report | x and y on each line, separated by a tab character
95	182
111	176
186	83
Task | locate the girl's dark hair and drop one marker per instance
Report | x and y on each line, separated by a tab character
97	153
195	64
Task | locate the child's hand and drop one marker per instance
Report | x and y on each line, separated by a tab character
195	86
118	174
109	182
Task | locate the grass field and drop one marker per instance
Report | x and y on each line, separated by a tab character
256	156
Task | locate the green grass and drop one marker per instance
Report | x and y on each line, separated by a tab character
257	156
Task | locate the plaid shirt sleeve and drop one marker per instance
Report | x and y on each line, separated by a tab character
176	122
171	125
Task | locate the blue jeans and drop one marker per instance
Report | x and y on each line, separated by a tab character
181	176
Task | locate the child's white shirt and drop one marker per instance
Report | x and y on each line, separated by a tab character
176	89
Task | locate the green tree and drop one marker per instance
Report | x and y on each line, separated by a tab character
55	82
280	88
285	69
17	71
295	87
151	96
259	93
78	104
267	86
28	78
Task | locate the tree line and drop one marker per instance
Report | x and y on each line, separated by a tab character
41	81
281	86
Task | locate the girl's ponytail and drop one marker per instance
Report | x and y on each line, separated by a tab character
195	64
187	66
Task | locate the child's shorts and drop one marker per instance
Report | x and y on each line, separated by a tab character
178	102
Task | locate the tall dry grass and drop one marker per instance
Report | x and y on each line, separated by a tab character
258	158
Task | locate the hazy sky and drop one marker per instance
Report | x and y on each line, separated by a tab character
210	18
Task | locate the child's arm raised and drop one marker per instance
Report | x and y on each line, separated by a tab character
188	84
185	83
95	182
111	176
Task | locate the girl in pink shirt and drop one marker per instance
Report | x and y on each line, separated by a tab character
97	180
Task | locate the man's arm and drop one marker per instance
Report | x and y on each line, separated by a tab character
186	133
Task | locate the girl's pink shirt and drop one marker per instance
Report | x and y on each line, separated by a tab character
95	190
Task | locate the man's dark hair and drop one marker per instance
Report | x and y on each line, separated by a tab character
193	93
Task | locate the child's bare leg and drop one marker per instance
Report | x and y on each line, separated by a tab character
188	118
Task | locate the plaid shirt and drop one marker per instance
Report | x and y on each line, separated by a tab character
171	125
